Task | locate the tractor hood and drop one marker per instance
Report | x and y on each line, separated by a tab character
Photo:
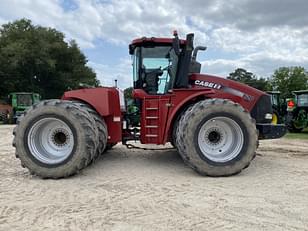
253	100
225	85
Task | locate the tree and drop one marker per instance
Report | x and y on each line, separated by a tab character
35	58
128	93
246	77
288	79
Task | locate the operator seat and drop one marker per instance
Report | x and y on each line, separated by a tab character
151	80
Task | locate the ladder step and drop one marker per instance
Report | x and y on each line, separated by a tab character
151	126
151	135
152	117
151	108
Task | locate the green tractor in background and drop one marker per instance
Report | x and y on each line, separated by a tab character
297	111
279	106
16	104
21	101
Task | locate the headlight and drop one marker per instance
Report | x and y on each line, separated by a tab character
268	116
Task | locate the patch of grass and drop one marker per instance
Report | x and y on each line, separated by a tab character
301	135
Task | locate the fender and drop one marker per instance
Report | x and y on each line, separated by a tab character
179	99
106	101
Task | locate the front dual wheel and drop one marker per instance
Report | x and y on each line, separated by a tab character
220	139
58	138
216	137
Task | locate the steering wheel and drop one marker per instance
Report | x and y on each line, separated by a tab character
166	68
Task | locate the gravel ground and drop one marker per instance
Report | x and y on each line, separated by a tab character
154	190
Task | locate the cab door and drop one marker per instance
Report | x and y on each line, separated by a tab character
155	68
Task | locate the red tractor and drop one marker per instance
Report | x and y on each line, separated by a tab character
214	123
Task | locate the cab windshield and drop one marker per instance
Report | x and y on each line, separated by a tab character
274	99
302	100
24	99
154	68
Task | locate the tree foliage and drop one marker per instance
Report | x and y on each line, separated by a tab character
35	58
246	77
128	93
288	79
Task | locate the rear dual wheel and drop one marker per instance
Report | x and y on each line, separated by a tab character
57	138
101	127
217	137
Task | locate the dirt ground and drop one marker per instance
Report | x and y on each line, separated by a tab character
154	190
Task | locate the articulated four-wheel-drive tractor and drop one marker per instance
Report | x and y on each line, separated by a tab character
214	123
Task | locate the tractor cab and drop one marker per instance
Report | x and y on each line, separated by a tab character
299	101
154	68
162	64
301	98
275	97
279	106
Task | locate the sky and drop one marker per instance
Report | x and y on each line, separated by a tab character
259	36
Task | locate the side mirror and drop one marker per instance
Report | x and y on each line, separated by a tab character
131	49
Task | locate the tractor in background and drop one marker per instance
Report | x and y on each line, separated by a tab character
15	105
213	123
5	112
279	106
297	111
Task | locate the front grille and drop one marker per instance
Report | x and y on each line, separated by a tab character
262	107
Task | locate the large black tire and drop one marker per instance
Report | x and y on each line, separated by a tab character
4	117
290	123
79	137
101	126
174	131
110	146
176	124
291	128
197	121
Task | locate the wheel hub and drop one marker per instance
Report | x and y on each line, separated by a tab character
50	140
220	139
214	136
60	137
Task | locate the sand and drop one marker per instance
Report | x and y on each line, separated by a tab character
154	190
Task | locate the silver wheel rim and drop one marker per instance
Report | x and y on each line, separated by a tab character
50	140
220	139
